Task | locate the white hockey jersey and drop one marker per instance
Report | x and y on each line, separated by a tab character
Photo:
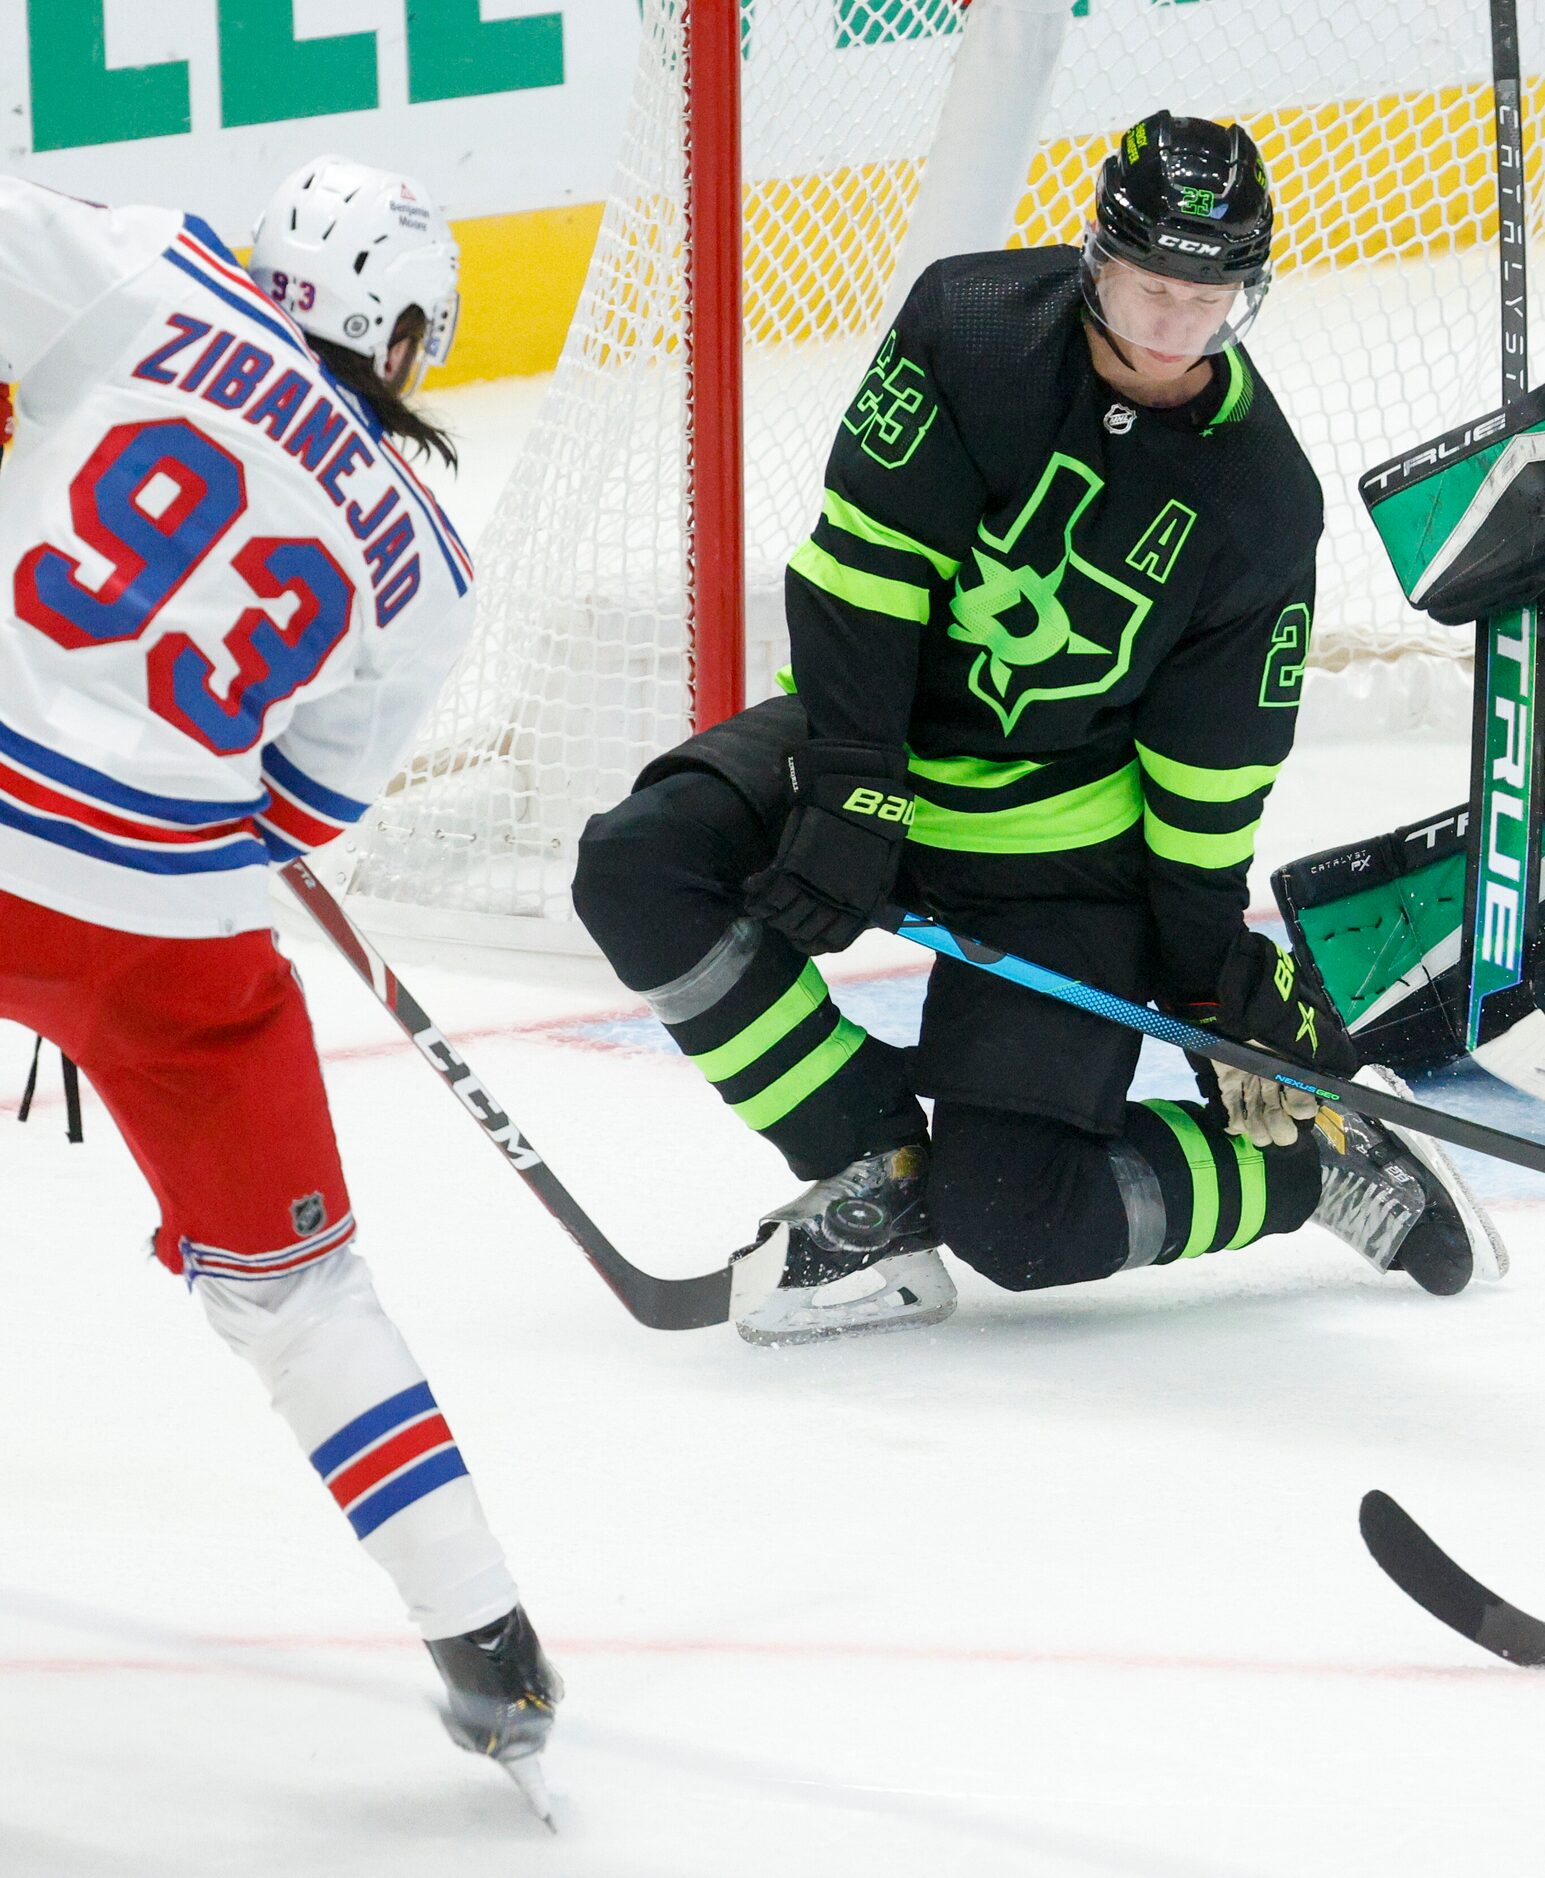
227	602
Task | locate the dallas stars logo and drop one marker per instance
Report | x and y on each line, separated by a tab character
981	618
1048	623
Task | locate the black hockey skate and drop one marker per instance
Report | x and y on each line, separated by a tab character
1398	1199
503	1692
860	1254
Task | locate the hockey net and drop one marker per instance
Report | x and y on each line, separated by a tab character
1375	121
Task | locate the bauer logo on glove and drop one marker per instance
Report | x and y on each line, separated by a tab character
836	863
883	807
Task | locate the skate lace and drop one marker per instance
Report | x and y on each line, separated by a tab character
1366	1212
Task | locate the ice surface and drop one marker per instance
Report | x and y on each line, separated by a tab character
1070	1585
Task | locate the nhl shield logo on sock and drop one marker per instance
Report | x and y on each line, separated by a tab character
308	1214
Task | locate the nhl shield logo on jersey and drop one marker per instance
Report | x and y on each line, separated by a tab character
308	1214
1119	419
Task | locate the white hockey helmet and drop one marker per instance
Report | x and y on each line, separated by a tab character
346	249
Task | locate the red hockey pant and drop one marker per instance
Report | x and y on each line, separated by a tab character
202	1051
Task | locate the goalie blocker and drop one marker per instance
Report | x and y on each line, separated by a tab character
1383	921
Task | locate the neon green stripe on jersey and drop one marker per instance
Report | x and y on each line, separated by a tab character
898	599
806	994
853	521
807	1075
1197	1149
1240	394
1206	785
1078	818
970	772
1196	850
1252	1191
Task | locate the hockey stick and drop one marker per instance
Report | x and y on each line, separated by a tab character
715	1297
1500	933
1356	1096
1426	1574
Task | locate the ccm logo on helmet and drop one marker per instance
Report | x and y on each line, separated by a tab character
1190	247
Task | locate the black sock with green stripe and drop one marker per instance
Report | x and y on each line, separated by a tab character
792	1067
1219	1191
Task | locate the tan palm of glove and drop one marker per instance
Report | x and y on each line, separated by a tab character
1266	1113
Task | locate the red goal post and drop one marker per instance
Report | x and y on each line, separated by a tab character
986	164
712	343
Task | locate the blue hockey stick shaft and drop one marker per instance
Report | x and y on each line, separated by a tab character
1362	1100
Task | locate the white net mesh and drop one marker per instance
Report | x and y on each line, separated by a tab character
1375	121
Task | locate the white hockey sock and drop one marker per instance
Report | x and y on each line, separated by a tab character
338	1371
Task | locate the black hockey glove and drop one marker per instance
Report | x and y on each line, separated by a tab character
1263	997
836	863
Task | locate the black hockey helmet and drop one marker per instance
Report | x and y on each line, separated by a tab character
1186	197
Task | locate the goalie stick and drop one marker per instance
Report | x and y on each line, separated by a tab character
1424	966
1427	1575
1500	934
750	1277
1358	1097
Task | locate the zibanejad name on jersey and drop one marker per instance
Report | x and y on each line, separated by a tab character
291	410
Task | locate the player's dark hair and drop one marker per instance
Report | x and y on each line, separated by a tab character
394	414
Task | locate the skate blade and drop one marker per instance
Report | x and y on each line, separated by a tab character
527	1775
773	1336
903	1298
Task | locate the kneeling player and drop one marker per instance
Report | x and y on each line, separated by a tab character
229	601
1049	638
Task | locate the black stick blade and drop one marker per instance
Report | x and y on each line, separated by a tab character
1426	1573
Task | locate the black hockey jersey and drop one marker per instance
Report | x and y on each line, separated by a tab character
1079	615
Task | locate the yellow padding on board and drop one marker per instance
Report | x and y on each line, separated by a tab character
1401	176
520	282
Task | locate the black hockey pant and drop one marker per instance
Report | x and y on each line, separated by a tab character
1027	1199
